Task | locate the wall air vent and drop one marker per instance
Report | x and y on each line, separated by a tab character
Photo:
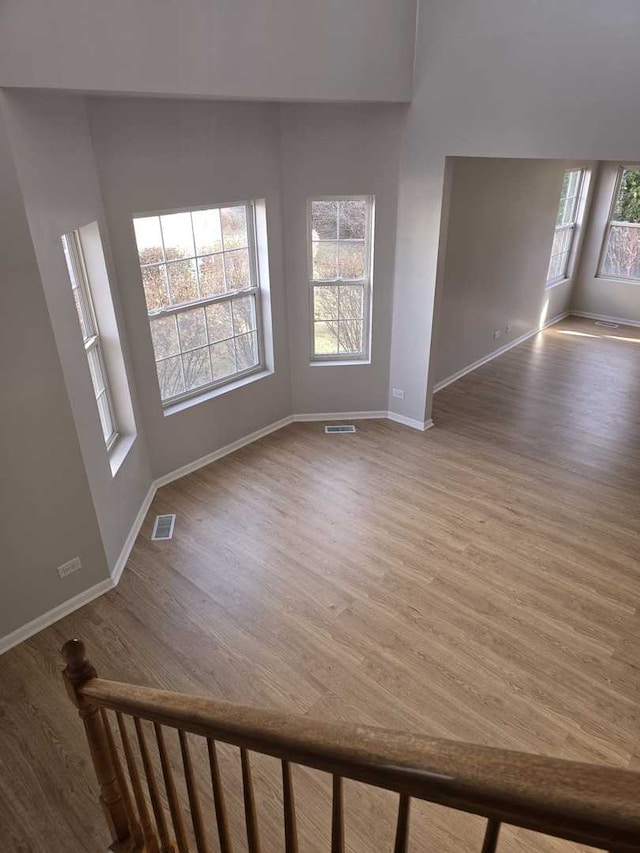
334	430
607	324
163	527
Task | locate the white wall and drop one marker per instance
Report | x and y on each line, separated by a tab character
503	78
54	159
339	150
156	154
500	230
270	49
594	294
46	512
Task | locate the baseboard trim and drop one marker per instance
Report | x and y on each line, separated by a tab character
410	422
587	315
313	417
56	613
496	353
130	541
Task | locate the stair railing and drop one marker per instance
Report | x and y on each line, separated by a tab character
588	804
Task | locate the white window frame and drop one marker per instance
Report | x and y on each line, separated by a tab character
612	222
76	267
255	289
573	227
364	356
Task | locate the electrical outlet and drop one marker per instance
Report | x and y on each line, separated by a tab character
507	328
69	567
398	393
496	334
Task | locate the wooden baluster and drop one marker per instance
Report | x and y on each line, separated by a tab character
78	672
224	836
192	791
134	826
337	817
490	843
172	796
150	839
402	827
290	828
166	844
251	820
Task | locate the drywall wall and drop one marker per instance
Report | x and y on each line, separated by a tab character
600	295
156	154
502	78
269	49
501	223
46	512
58	179
341	150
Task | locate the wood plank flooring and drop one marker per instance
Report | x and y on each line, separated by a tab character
480	581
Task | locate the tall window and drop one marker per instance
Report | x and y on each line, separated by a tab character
566	224
621	255
199	271
340	241
90	334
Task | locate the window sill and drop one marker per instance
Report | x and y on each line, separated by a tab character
182	405
560	281
344	363
119	452
617	279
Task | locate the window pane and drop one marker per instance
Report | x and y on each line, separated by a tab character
156	292
627	207
164	333
247	351
211	270
237	269
351	302
244	315
192	329
178	235
234	227
324	220
223	361
352	260
79	308
219	321
105	417
170	377
326	338
325	261
352	220
207	231
350	336
183	282
622	257
95	369
148	239
325	302
197	368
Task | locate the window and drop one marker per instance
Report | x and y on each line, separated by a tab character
340	240
621	254
199	272
566	226
90	334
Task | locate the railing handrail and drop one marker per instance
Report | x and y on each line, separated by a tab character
590	804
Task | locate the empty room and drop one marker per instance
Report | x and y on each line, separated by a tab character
320	421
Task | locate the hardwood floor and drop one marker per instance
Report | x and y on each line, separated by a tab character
480	581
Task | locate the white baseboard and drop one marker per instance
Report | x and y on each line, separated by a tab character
606	318
410	422
36	625
130	541
498	352
337	416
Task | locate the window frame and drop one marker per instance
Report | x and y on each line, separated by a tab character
77	270
255	290
573	226
363	357
622	168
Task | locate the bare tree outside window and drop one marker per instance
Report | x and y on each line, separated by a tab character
621	256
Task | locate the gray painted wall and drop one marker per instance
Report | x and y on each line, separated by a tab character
46	512
271	49
54	158
593	294
500	230
339	150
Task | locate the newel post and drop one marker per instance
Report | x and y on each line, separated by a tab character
76	673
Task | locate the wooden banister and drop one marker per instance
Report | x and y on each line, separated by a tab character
585	803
